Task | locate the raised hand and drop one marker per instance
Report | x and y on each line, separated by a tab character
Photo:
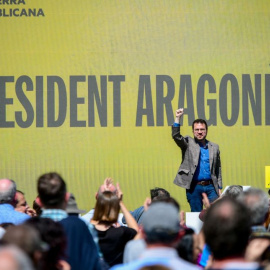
178	114
108	182
119	192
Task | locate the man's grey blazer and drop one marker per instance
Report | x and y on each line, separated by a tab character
190	158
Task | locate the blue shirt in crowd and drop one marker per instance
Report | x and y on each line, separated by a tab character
10	215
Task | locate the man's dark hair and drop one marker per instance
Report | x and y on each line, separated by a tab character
51	190
199	121
185	247
5	225
227	227
166	199
158	192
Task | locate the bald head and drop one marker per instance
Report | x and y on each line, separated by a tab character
12	258
7	261
104	188
107	186
7	191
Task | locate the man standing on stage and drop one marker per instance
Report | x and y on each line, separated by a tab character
200	170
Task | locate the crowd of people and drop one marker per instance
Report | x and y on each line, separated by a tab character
55	234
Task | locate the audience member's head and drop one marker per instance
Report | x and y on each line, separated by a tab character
21	204
155	192
7	191
227	228
5	225
166	199
37	206
52	191
107	208
188	246
258	204
199	121
161	224
13	258
234	191
53	234
106	186
27	239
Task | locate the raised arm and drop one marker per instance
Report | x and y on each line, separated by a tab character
178	115
131	222
177	137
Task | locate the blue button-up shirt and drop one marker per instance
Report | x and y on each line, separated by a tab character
203	169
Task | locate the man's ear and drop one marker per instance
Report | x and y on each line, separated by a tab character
38	201
67	196
16	197
143	233
181	233
37	255
15	200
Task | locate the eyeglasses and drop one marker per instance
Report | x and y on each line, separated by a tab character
199	130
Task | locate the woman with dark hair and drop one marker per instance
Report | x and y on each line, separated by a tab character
188	247
51	233
112	238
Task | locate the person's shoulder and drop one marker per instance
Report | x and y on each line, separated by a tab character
76	227
120	267
73	221
137	212
121	232
137	243
140	208
88	216
181	264
213	144
13	216
190	140
19	215
23	215
119	229
129	266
